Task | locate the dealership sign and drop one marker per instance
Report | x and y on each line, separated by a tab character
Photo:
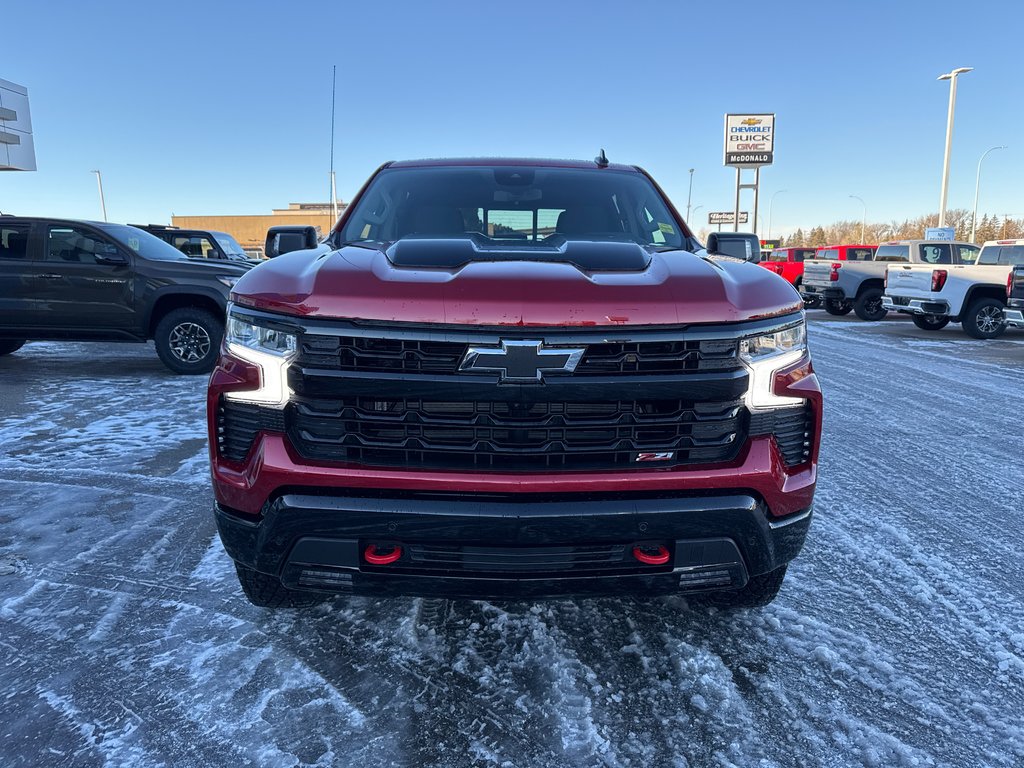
727	217
17	151
749	140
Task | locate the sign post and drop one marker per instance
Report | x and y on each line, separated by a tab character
749	144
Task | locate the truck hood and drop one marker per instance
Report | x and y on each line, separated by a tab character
199	267
668	288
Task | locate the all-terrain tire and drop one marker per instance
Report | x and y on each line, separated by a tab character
984	319
759	591
868	305
837	307
7	346
188	340
930	322
268	592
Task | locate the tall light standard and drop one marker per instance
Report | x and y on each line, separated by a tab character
951	76
695	209
689	195
103	203
864	219
977	189
771	202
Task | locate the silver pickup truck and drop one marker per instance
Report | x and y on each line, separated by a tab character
859	284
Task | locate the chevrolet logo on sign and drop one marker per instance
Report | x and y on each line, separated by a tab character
751	121
522	362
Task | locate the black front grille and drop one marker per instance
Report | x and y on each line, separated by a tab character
480	434
791	428
395	355
239	423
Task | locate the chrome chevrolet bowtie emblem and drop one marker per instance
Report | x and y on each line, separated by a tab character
522	361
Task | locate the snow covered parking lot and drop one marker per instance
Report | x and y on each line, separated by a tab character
898	639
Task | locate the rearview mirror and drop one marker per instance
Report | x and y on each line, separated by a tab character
745	246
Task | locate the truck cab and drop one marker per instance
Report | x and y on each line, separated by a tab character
201	243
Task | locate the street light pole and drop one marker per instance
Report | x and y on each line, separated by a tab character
864	219
951	76
770	204
103	203
689	195
977	189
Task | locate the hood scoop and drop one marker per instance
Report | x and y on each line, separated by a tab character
454	252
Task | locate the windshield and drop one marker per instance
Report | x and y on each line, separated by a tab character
1002	254
229	244
522	206
146	245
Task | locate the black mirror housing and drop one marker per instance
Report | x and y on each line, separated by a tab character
286	238
745	246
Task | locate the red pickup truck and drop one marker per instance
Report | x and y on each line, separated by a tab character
789	263
513	378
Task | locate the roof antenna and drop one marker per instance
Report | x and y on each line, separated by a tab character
601	160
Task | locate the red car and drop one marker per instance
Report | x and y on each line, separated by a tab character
513	378
789	263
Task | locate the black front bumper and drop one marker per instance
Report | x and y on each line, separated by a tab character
513	546
828	294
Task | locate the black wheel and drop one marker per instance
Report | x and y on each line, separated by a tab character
984	319
188	340
268	591
838	307
759	591
7	346
868	305
930	322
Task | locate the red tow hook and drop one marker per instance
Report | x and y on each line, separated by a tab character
651	554
374	557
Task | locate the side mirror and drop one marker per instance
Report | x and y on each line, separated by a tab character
110	254
745	246
287	238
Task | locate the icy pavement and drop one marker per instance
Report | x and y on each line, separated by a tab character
898	639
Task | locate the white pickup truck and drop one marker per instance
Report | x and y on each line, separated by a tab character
973	295
859	283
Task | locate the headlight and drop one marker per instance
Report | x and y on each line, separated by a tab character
766	355
259	337
771	344
269	348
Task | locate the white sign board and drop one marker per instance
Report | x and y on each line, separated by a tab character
727	217
17	151
749	140
940	233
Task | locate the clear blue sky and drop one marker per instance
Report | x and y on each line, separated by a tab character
203	108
